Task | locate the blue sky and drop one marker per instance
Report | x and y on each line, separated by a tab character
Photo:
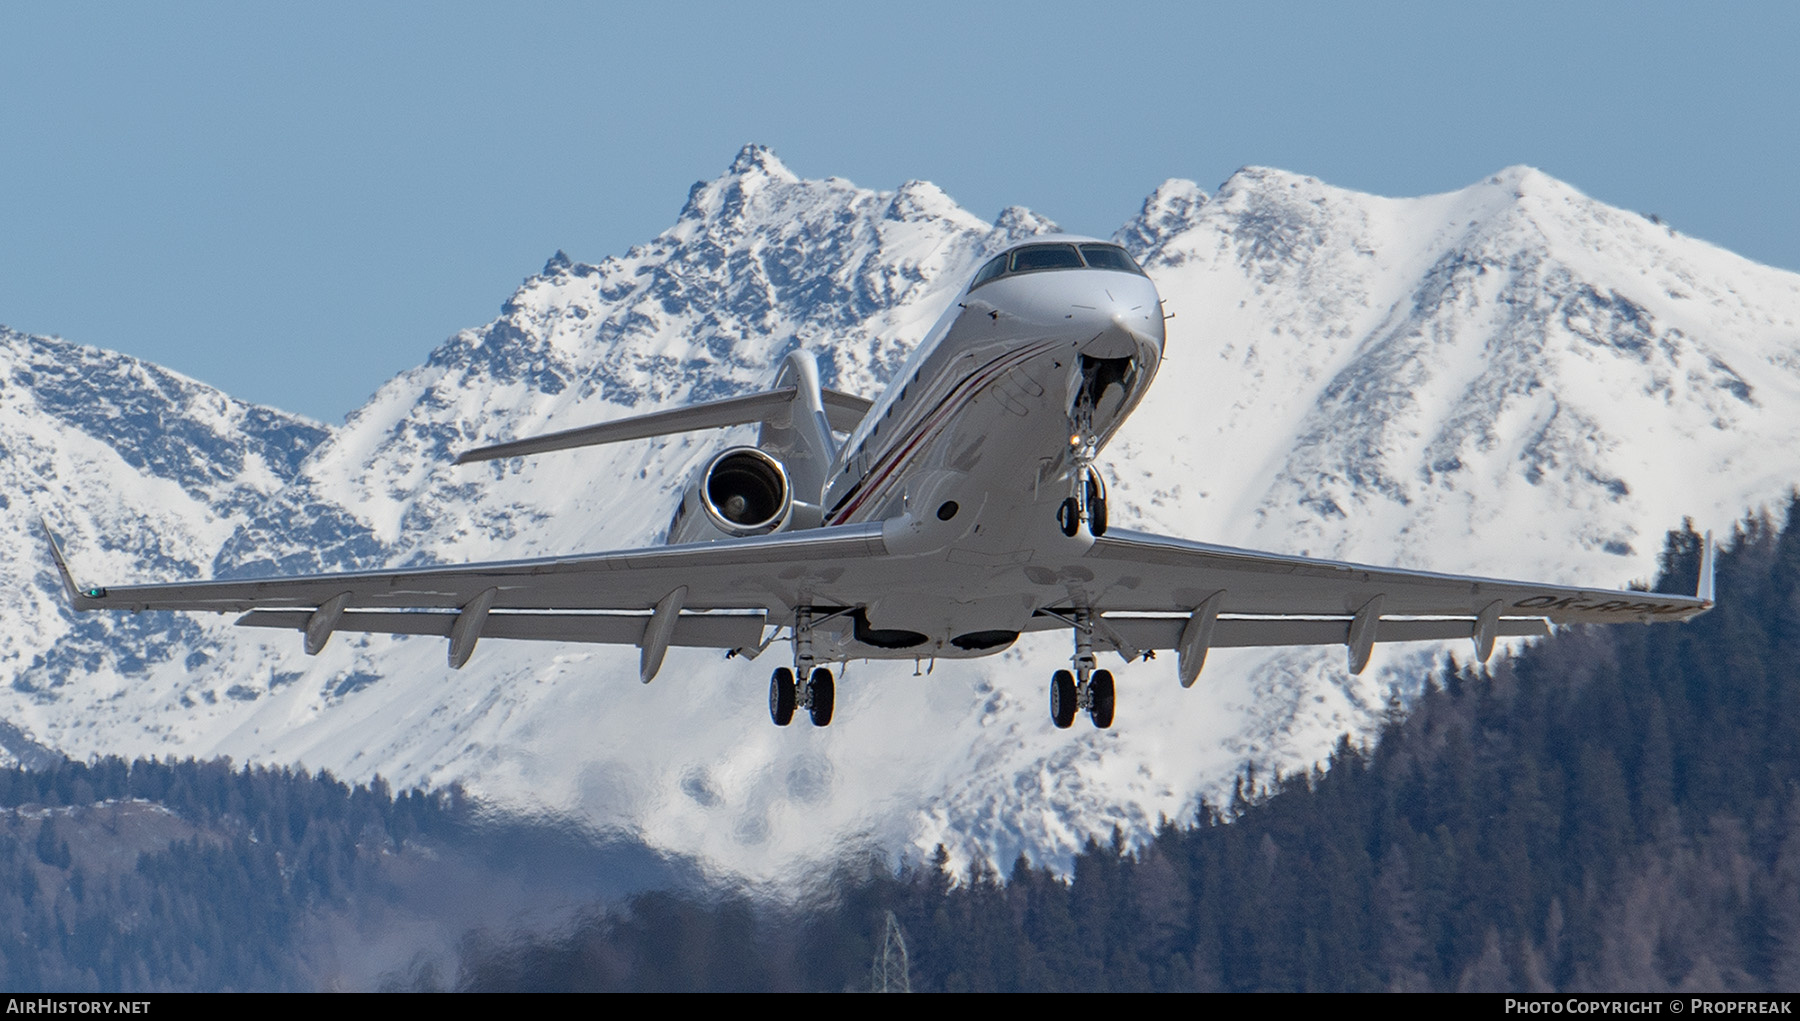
296	201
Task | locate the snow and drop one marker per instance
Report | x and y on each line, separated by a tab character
1511	379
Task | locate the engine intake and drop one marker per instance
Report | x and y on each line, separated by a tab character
745	492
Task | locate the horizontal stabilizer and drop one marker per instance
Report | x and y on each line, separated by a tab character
841	409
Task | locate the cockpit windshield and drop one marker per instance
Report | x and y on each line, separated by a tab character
1032	258
1024	260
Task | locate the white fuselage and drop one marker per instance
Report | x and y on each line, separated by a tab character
968	454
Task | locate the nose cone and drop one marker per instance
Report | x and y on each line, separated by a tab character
1127	315
1120	313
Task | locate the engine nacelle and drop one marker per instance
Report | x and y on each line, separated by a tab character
741	491
745	492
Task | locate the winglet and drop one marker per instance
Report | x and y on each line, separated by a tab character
80	598
1704	591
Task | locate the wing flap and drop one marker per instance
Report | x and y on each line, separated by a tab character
698	630
1250	632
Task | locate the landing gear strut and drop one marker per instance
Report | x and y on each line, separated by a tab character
1085	687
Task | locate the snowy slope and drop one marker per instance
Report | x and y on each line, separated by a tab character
157	470
1511	379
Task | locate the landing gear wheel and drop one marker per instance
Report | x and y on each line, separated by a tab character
821	693
1101	699
781	696
1062	699
1096	506
1068	517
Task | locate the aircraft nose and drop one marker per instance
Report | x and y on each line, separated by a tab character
1130	320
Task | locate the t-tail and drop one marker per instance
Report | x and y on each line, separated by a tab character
776	485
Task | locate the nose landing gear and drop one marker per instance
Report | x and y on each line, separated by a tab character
1087	504
1085	687
1087	496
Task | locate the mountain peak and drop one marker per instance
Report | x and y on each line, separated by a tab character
1168	211
729	195
916	200
760	159
1522	176
1016	222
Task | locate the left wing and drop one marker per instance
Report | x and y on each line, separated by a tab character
1237	597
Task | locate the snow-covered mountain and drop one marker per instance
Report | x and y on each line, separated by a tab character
155	470
1512	379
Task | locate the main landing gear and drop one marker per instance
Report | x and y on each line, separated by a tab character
1085	687
818	695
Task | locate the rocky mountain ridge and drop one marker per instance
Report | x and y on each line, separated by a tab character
1511	379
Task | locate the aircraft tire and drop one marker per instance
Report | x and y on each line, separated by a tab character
1068	517
823	692
781	696
1096	507
1062	699
1104	699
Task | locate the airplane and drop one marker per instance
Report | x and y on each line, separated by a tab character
964	508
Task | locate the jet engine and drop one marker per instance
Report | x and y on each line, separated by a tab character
741	491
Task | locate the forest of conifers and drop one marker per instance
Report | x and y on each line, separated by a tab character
1611	809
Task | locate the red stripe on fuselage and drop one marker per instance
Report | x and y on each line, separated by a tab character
902	452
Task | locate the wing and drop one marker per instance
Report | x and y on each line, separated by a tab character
1133	591
1238	597
653	598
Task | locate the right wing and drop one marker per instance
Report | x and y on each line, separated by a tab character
653	598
